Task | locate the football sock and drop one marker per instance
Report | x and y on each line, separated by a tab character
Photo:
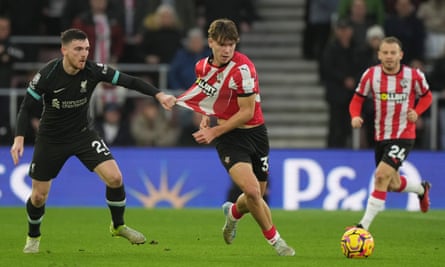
411	186
234	213
376	203
271	235
35	216
116	203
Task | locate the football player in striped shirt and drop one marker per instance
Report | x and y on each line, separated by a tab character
400	95
227	88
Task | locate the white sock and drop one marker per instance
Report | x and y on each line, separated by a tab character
373	207
413	187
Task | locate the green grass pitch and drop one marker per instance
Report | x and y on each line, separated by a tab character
192	237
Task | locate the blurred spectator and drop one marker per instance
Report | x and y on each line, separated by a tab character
366	56
318	26
181	74
52	12
151	127
113	128
26	20
409	29
105	34
106	37
375	10
437	82
71	10
131	15
9	53
161	40
162	35
432	13
339	74
361	20
390	5
184	9
242	12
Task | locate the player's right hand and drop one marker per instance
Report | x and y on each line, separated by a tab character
17	149
356	122
167	101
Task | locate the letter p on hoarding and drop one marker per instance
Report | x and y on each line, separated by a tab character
295	170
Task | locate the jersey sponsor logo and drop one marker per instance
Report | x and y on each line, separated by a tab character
393	97
206	88
55	103
34	81
104	67
83	86
59	90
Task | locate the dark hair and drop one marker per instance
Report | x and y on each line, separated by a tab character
392	40
72	34
222	30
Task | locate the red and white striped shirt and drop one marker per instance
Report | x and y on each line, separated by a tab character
216	89
393	96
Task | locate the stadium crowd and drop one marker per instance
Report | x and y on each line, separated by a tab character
173	32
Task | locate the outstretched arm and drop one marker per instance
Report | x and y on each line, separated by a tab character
167	101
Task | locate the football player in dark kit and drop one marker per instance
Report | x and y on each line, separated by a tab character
65	86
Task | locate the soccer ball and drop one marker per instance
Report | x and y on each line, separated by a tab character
357	243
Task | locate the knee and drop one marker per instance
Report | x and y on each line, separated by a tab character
252	192
114	180
38	199
381	178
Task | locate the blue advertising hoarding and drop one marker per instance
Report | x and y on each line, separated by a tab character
188	177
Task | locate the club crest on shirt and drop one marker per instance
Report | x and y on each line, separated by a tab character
404	83
83	86
219	77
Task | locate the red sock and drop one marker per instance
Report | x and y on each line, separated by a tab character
235	213
269	234
379	194
402	183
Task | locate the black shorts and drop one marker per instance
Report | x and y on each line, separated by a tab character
393	152
49	158
245	145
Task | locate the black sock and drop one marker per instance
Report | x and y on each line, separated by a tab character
116	203
35	216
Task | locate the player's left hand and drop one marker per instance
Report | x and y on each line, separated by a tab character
167	101
17	149
204	136
412	115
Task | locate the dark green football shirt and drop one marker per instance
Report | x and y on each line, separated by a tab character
66	98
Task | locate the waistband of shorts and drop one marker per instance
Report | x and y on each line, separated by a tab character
249	130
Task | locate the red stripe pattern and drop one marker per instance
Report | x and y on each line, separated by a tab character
393	96
216	89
